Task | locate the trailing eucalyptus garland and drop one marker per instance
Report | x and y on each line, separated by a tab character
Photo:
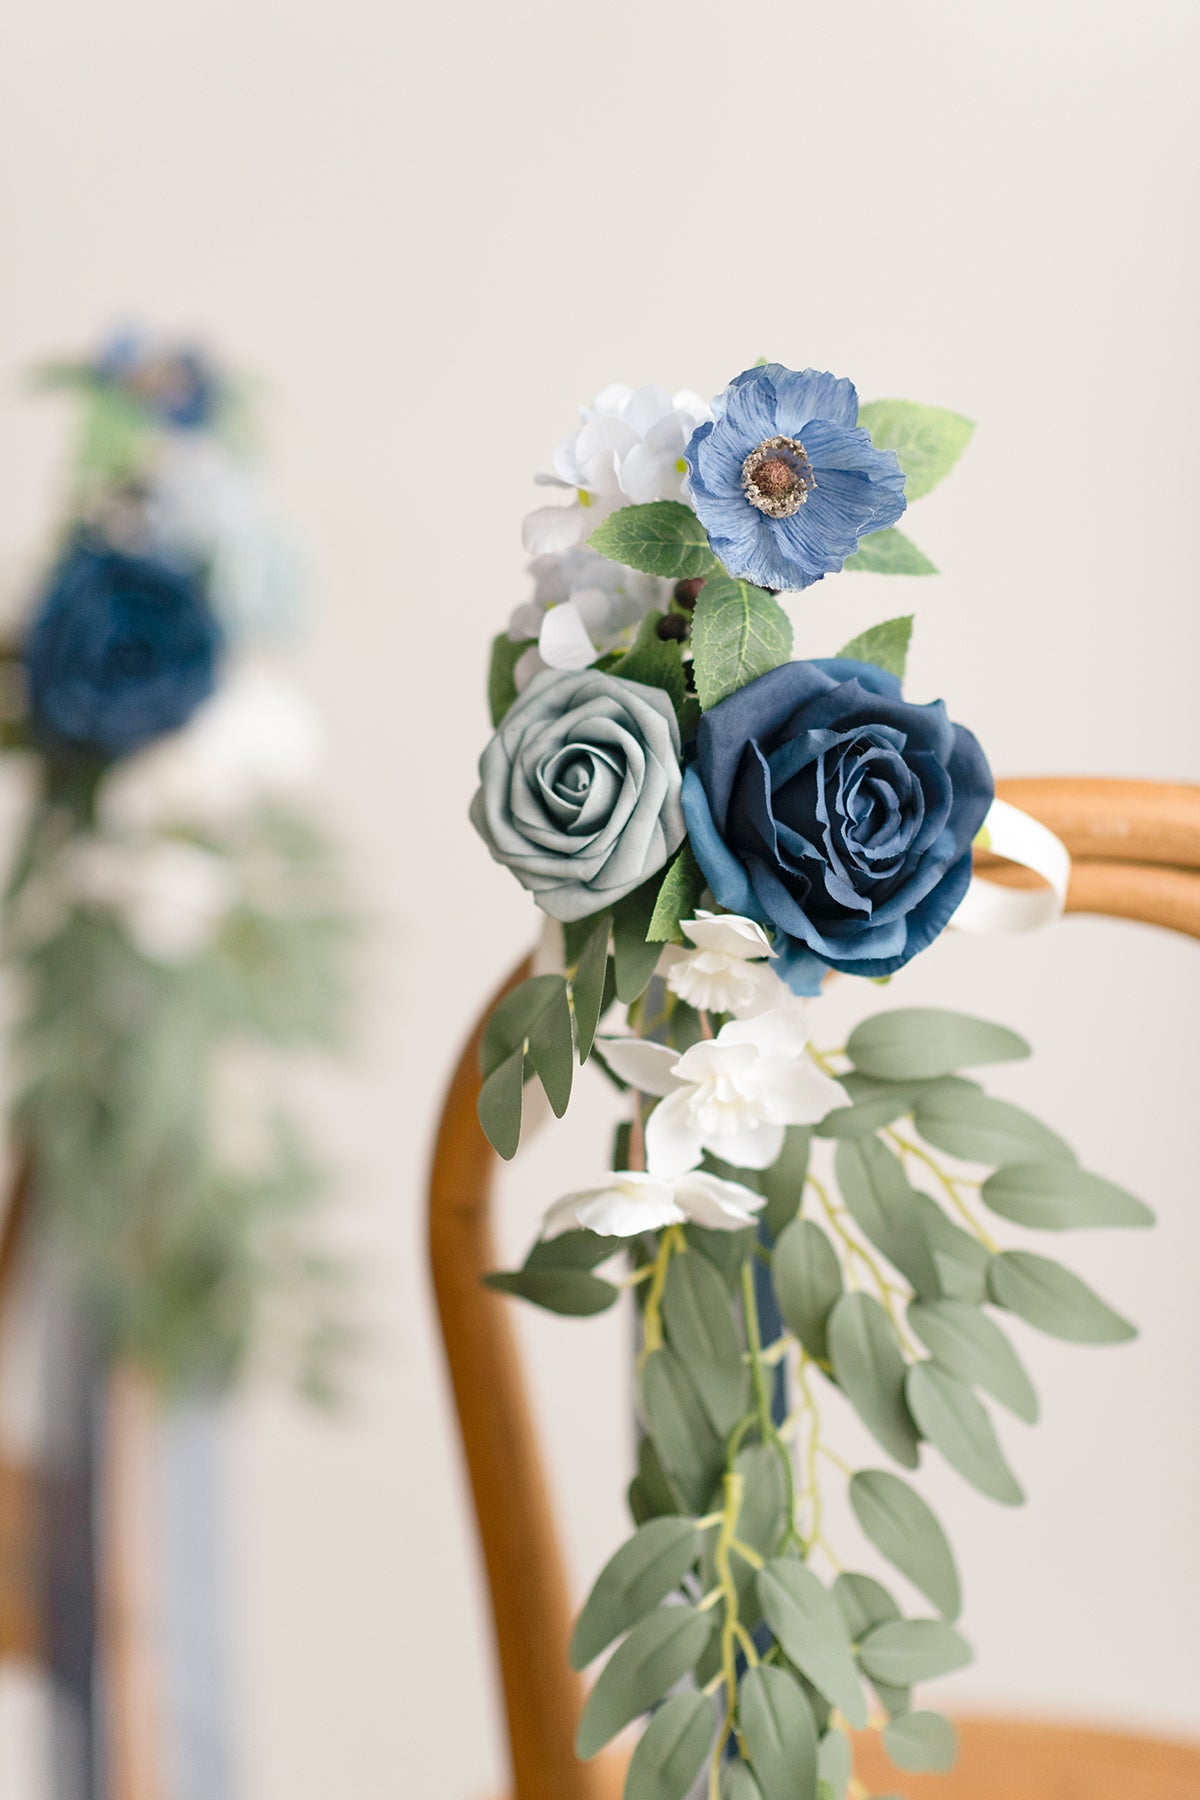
718	827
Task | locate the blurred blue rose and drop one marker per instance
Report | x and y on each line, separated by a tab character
784	481
122	650
824	805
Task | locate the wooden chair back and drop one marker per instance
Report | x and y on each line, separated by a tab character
1136	855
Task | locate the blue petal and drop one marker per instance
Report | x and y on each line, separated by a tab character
750	408
721	869
808	395
751	715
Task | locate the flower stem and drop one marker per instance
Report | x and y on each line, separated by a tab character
949	1187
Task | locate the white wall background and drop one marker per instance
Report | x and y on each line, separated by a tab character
434	230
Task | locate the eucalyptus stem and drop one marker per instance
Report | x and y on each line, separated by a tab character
672	1240
949	1187
888	1291
733	1632
767	1429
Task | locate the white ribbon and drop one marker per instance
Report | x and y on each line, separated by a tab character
1012	834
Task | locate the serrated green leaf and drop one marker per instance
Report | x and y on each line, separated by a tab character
783	1182
662	537
777	1727
888	552
808	1284
658	1652
922	1742
928	440
501	684
805	1618
632	1583
967	1343
1054	1299
677	899
869	1365
885	645
918	1043
635	959
881	1201
671	1751
499	1104
739	632
1054	1196
689	1448
570	1291
982	1129
905	1531
863	1603
905	1651
959	1425
696	1311
587	985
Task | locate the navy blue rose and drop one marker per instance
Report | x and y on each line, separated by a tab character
121	651
785	481
827	807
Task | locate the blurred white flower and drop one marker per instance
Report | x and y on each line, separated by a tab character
258	738
169	896
628	450
732	1095
725	973
628	1202
584	605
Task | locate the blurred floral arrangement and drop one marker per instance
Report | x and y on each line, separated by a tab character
713	830
174	921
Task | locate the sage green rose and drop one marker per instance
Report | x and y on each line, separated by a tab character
580	789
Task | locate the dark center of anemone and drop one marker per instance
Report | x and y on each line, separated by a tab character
777	477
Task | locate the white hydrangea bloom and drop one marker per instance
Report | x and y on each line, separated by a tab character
583	606
725	973
628	1202
628	450
169	896
732	1095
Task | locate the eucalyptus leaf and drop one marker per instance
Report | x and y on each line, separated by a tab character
739	632
662	537
966	1342
888	552
572	1250
500	1104
761	1524
689	1448
777	1728
587	984
1054	1299
569	1291
869	1365
904	1651
863	1603
960	1259
1053	1196
875	1104
635	959
552	1049
905	1531
659	1651
632	1583
783	1182
928	440
678	898
700	1329
958	1424
835	1763
805	1618
884	645
985	1130
808	1284
918	1043
880	1200
737	1783
671	1751
922	1742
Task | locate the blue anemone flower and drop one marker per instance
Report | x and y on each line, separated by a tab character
784	481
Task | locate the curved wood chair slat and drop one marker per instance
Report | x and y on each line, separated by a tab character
1136	847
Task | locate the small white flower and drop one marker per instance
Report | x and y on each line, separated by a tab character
584	605
725	973
628	1203
732	1095
169	896
628	450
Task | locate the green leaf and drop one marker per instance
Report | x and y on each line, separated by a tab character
739	632
783	1182
662	537
863	1603
1051	1196
905	1651
570	1291
696	1311
875	1104
534	1017
635	959
885	645
881	1201
501	684
572	1250
805	1618
808	1284
835	1763
632	1583
761	1523
905	1531
655	662
922	1742
552	1049
655	1490
966	1343
587	984
919	1042
780	1736
671	1751
678	898
984	1130
737	1783
869	1365
1054	1299
961	1260
959	1425
499	1104
657	1653
689	1448
928	440
889	552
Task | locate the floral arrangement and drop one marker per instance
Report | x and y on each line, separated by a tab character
173	918
714	829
